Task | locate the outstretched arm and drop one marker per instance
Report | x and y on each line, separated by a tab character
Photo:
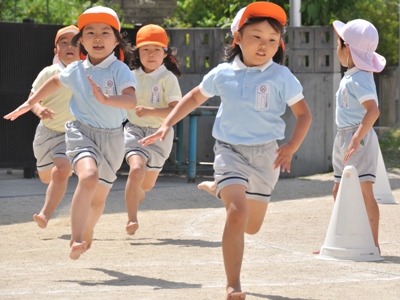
126	100
368	121
145	111
303	121
188	103
49	87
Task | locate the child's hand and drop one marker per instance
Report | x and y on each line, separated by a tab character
142	111
43	112
160	134
97	92
285	154
18	112
353	147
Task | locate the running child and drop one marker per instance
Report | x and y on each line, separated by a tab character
254	88
103	88
158	91
49	146
356	142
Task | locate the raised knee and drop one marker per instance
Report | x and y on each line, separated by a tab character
252	229
147	187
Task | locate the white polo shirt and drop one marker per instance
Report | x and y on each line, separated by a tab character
112	75
58	101
253	99
355	87
156	89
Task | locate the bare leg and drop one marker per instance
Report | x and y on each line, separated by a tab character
96	210
208	186
234	199
256	211
133	192
372	210
58	176
86	169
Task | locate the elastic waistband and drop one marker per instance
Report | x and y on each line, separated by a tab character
348	128
50	130
251	146
96	129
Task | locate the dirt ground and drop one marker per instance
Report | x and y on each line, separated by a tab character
176	253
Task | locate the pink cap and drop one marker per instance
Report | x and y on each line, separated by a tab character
362	38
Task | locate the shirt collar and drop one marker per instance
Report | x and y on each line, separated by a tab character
237	64
104	64
351	71
157	72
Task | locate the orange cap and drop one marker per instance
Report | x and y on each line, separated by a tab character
99	14
68	29
259	9
152	34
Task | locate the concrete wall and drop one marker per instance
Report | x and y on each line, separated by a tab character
147	11
311	56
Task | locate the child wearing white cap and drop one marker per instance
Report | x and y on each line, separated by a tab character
356	142
49	145
103	88
255	89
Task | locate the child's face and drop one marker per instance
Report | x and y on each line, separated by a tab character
99	41
151	57
64	49
259	43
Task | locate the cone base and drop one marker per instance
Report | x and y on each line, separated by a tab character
366	254
385	199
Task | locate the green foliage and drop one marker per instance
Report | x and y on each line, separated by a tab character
383	14
390	146
63	12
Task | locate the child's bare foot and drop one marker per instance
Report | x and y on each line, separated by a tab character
40	220
235	295
316	251
132	227
88	237
77	249
208	186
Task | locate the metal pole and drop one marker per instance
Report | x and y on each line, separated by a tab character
295	14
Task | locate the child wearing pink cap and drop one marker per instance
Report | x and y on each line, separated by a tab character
103	87
356	142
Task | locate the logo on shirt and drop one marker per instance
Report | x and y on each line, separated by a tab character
344	100
262	96
109	87
155	94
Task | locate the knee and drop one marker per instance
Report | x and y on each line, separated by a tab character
136	173
237	217
61	173
89	178
44	177
253	228
146	187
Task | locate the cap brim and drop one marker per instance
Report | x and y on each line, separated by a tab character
376	64
338	25
151	43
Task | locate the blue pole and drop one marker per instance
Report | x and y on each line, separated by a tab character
192	148
179	143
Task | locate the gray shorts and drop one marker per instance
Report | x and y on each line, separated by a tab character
365	159
250	166
155	154
106	146
47	145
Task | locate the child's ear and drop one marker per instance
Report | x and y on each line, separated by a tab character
55	50
237	38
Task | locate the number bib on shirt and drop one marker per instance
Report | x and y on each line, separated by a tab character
262	96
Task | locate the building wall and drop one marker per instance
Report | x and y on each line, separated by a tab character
147	11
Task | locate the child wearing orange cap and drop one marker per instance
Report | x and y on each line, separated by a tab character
156	71
49	146
255	89
103	87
